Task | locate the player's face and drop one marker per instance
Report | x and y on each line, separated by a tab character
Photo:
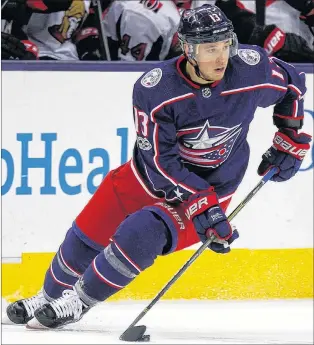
212	59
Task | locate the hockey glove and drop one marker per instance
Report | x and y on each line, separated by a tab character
88	44
14	49
209	218
287	153
286	46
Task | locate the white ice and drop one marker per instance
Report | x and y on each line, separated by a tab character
184	322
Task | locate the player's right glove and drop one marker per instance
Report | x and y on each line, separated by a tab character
14	49
209	219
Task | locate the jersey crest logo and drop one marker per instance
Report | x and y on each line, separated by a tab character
152	78
71	22
249	56
207	146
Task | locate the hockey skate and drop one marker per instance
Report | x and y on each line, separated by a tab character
21	311
67	309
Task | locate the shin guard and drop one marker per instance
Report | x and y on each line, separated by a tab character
70	262
139	239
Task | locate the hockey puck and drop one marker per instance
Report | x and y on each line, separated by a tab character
145	338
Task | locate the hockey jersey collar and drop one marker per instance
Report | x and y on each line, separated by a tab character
190	82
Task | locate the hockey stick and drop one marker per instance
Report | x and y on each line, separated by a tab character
104	46
136	333
4	4
260	9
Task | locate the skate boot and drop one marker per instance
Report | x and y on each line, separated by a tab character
67	309
21	311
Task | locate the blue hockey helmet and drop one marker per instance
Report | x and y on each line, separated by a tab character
206	24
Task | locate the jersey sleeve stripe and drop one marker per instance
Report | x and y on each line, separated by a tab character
155	140
295	108
141	182
289	117
295	89
254	87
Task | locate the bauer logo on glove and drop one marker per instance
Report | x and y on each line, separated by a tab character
285	144
287	153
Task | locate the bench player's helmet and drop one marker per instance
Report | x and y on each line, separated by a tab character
205	24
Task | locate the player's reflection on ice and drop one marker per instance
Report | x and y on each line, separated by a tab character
184	322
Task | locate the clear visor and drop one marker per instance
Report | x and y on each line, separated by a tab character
208	52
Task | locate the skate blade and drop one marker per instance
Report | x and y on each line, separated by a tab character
35	324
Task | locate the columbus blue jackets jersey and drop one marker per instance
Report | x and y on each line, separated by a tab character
191	137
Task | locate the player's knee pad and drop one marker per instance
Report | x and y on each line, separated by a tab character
139	239
173	220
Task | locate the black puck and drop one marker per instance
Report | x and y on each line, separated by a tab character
145	338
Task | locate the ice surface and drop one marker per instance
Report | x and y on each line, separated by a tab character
184	322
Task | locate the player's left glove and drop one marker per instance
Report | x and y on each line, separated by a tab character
287	153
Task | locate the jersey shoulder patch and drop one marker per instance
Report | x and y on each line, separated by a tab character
249	56
151	78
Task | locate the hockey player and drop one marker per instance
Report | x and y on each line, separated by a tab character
192	116
49	25
15	44
141	30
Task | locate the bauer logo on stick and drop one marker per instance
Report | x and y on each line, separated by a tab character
152	77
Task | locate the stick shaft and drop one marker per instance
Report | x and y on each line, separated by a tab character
260	9
104	46
200	250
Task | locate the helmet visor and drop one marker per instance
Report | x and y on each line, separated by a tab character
208	52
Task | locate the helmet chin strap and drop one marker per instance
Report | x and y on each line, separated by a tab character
196	68
199	74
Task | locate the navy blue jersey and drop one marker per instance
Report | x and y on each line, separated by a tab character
191	137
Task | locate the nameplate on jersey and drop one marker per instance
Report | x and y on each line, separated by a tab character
249	56
152	78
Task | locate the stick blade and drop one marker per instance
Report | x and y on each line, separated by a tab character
135	334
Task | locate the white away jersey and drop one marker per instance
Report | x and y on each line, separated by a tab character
142	27
280	13
52	32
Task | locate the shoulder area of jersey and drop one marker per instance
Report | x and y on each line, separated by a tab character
160	80
151	78
251	55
